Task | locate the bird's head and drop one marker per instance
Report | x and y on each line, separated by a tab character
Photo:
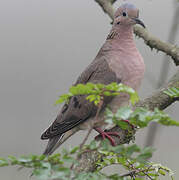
127	15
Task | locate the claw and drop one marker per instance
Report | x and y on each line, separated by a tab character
107	135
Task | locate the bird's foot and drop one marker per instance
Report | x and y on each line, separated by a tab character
107	135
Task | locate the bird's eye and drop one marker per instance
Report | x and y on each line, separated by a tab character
124	14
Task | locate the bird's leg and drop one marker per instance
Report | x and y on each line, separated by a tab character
107	135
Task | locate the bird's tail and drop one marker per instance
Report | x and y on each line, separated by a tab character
52	143
56	141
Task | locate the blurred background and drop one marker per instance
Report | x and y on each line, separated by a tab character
44	46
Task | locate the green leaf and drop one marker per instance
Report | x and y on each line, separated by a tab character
140	117
91	98
62	172
41	157
93	145
108	113
146	153
95	92
109	116
74	90
172	92
25	159
43	173
63	98
74	150
3	162
124	113
120	149
100	86
122	124
105	144
164	119
132	149
134	98
69	159
107	93
162	172
13	160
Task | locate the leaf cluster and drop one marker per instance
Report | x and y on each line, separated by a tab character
96	92
59	166
173	92
133	159
140	117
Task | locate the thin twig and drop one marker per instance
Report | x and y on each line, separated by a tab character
128	174
135	171
91	128
86	138
148	176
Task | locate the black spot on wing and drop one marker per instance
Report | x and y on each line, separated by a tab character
65	107
75	102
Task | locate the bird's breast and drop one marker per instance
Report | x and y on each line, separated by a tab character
129	67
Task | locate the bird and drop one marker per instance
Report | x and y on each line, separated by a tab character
118	61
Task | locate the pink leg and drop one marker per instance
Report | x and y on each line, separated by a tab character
107	135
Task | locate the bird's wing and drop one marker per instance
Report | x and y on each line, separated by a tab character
79	109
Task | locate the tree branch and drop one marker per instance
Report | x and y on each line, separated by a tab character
159	99
156	43
87	160
107	7
151	41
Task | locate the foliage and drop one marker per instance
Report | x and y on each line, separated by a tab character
131	157
173	92
95	92
139	117
57	166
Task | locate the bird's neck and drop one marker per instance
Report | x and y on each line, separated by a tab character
121	38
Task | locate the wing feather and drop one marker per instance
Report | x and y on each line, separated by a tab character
79	109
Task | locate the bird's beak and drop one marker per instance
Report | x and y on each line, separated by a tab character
138	21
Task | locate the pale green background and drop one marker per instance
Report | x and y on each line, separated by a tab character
44	45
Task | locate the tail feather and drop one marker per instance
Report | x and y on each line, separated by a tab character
56	141
51	144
